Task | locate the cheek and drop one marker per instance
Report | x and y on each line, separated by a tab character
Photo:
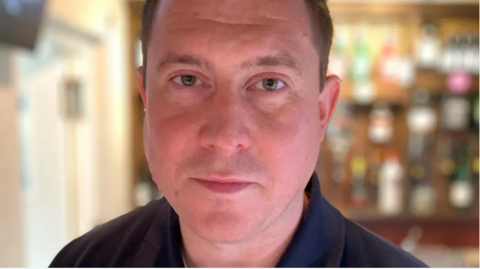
167	141
289	145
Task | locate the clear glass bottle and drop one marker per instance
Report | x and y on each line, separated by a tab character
390	186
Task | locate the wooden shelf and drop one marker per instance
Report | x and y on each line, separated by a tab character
384	93
436	83
446	232
410	218
444	228
400	11
428	80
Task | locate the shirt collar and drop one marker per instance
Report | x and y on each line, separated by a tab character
319	238
318	241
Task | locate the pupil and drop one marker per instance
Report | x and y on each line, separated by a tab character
189	80
270	83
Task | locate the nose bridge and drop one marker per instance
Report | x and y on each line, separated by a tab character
228	106
226	127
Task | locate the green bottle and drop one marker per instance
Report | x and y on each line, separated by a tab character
361	69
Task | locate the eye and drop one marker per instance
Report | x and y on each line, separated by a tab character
269	84
187	80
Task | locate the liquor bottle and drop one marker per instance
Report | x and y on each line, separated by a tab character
390	191
395	65
474	147
461	193
364	91
338	62
380	129
362	63
340	139
421	122
143	189
471	55
475	164
387	65
405	71
411	242
459	82
423	197
361	68
428	47
447	163
463	48
475	112
359	189
453	56
421	117
455	113
376	158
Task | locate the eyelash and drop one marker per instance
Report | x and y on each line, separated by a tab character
188	73
199	81
267	76
257	79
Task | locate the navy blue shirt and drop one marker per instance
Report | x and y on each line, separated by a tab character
150	237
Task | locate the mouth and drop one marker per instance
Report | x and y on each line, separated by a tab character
226	186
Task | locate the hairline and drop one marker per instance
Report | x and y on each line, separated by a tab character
322	46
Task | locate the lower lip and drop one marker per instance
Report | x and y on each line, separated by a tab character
227	188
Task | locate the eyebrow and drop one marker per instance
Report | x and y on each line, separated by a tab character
187	59
279	59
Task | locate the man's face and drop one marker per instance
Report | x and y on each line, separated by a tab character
234	119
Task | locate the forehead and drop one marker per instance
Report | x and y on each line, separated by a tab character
234	11
246	27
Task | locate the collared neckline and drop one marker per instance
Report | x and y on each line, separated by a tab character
318	240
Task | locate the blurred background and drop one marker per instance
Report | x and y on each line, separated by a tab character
400	158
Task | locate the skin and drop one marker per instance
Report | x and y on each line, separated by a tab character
228	127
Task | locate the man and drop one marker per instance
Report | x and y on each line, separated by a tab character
237	102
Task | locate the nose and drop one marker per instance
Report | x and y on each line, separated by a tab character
226	128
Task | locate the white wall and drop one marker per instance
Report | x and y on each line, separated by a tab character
91	16
107	20
114	110
10	203
105	133
43	140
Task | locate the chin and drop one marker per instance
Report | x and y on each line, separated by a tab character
225	227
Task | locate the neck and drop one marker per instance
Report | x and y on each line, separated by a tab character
264	250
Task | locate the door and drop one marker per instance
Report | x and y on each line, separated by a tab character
58	141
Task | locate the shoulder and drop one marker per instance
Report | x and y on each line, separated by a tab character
364	248
114	243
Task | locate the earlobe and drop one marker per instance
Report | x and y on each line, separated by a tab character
141	87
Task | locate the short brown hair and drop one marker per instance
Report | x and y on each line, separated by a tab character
321	24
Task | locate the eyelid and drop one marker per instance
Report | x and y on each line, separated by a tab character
186	72
262	89
198	81
257	78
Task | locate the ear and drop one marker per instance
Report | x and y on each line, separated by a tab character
328	99
141	88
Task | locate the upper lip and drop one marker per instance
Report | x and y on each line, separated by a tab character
221	179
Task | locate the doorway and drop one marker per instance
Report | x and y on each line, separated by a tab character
58	138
